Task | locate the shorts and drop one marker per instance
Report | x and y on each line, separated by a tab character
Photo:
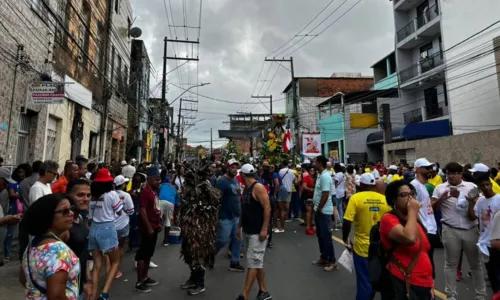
256	249
167	211
286	199
309	202
147	247
103	236
123	233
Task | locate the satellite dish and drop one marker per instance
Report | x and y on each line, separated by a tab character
135	32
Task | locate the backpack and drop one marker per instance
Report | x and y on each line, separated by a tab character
379	257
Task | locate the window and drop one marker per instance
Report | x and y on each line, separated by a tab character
22	139
426	51
50	146
81	42
93	144
117	6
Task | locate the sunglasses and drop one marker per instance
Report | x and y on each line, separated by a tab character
66	211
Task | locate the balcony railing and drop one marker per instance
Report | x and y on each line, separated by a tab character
427	16
413	116
424	65
406	31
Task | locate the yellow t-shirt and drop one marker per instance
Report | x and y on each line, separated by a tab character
437	180
293	185
396	177
494	186
365	209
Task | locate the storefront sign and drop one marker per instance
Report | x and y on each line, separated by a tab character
117	131
45	92
311	144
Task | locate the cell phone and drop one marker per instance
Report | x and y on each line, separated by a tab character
474	193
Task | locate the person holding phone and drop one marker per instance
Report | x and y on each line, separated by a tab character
459	231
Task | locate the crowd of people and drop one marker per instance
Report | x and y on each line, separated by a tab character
75	224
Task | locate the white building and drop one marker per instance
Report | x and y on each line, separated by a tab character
446	65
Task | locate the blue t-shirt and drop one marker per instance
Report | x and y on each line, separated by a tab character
323	184
230	202
14	186
169	193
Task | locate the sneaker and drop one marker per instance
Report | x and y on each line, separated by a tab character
188	285
288	220
330	267
310	231
276	230
270	245
264	296
459	275
102	297
242	255
118	275
469	274
280	231
142	288
240	297
236	267
150	282
152	265
198	289
165	244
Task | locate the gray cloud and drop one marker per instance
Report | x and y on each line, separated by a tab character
236	35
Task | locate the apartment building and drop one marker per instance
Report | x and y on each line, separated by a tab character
446	62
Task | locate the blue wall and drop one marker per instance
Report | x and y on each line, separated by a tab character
331	128
389	82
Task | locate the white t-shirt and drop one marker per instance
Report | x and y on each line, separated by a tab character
128	209
339	185
179	181
426	213
39	190
485	209
287	176
357	178
495	228
376	174
105	208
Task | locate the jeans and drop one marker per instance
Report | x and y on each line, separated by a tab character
454	241
8	240
339	203
363	284
226	232
324	234
434	241
295	206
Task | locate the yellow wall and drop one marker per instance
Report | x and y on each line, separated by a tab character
363	120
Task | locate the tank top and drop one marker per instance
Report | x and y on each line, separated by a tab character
252	213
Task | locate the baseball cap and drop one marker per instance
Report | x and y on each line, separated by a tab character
479	167
422	162
133	160
124	162
153	171
367	178
120	179
248	170
393	167
103	175
342	165
5	174
232	161
298	166
306	161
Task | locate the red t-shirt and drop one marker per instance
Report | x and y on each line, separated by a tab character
149	201
310	183
422	273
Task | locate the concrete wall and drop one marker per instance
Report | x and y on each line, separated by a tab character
465	148
473	91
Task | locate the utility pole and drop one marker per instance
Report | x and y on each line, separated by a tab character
270	97
295	104
163	106
179	135
386	127
211	143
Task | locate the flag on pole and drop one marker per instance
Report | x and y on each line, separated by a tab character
287	140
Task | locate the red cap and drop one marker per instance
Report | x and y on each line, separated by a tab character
496	296
103	175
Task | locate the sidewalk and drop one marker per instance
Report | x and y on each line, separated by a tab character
10	288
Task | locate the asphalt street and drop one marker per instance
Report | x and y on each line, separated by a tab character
290	274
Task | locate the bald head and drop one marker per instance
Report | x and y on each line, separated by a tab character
328	165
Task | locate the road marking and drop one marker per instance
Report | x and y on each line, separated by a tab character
437	293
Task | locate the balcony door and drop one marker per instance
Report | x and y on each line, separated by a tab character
423	13
431	103
426	57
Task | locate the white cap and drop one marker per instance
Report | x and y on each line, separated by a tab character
232	161
342	165
367	178
479	168
124	162
120	179
133	160
422	162
298	166
248	170
393	167
306	161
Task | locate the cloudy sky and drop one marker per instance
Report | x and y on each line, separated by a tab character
236	36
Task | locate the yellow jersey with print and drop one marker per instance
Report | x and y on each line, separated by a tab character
437	180
364	210
396	177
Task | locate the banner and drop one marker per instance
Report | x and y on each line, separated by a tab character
311	144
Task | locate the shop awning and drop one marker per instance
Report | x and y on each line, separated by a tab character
425	130
377	137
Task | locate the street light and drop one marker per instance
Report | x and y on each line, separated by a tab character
186	90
